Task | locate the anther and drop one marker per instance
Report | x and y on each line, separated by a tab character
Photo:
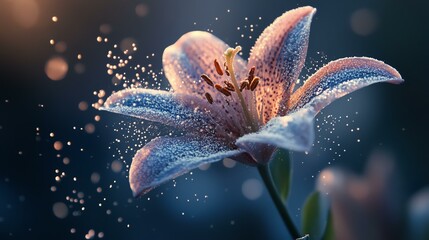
209	98
243	85
229	86
207	79
254	83
251	73
218	68
223	90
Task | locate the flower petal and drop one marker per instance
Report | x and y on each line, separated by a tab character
193	55
293	132
165	158
180	111
339	78
279	55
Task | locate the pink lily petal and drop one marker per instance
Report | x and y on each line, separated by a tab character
165	158
279	55
293	132
193	55
339	78
180	111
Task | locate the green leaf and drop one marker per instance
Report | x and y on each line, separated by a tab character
314	216
329	231
281	172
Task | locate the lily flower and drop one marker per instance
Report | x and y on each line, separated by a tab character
241	109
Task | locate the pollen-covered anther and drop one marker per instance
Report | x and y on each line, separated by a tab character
218	68
251	73
243	85
254	83
229	86
223	90
209	98
207	80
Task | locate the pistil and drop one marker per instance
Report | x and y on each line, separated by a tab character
230	54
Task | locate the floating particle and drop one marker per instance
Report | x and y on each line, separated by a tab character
116	166
95	177
83	106
99	39
60	47
54	19
58	145
90	234
89	128
25	12
66	161
105	29
204	167
229	163
127	45
60	210
79	68
52	41
364	22
141	10
56	68
252	189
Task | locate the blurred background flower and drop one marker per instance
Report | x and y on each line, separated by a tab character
374	206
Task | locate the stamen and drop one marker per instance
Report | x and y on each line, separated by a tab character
229	86
209	98
223	90
218	68
254	83
207	79
251	73
243	85
226	69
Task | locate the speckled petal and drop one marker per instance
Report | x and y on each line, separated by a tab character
193	55
339	78
293	132
279	55
165	158
177	110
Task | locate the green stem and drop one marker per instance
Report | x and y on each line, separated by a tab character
264	171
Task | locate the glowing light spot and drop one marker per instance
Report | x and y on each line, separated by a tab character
142	10
95	177
90	128
364	22
252	189
105	29
60	47
229	163
58	145
25	12
56	68
60	210
127	45
54	19
79	68
116	166
83	106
